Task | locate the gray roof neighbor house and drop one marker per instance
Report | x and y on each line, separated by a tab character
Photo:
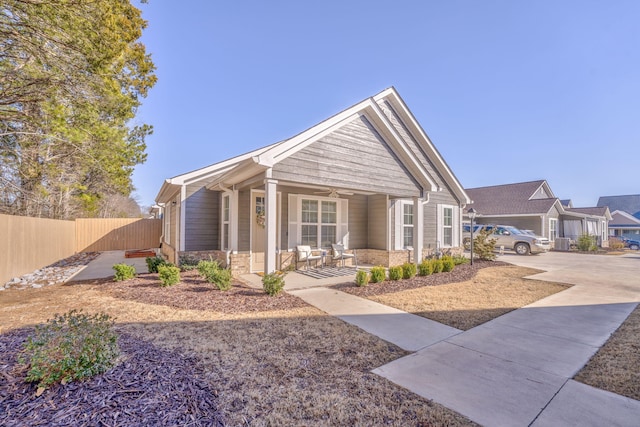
533	206
625	213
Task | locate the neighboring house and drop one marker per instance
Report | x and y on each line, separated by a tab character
533	206
625	213
368	178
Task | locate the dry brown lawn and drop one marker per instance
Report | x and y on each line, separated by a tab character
294	366
283	362
616	366
493	292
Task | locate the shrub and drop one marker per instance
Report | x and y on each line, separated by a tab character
154	262
362	278
169	275
447	263
395	272
425	268
70	347
409	270
213	273
273	283
484	246
188	262
378	274
437	265
124	272
460	259
616	243
587	242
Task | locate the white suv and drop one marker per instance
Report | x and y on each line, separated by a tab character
510	238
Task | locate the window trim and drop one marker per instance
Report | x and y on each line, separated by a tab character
319	224
554	236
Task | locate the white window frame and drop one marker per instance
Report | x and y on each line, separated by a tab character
553	230
455	228
225	216
401	226
167	222
295	219
319	223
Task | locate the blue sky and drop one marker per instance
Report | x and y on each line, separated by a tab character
508	91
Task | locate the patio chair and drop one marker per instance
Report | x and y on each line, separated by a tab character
339	254
304	253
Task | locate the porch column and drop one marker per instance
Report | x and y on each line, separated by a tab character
418	229
270	207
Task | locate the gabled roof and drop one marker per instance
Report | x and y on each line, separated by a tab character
240	168
629	203
567	203
512	199
594	211
623	218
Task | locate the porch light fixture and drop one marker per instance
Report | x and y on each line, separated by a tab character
472	215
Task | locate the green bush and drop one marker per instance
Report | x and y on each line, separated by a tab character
378	274
437	265
425	268
409	270
169	275
188	262
362	278
70	347
460	259
395	272
447	263
213	273
587	242
273	283
124	272
484	246
154	262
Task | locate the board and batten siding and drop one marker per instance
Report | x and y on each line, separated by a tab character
358	221
202	226
244	220
353	156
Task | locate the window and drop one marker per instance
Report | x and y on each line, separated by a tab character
447	226
319	221
226	210
407	225
553	229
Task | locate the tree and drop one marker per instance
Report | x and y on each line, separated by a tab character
72	76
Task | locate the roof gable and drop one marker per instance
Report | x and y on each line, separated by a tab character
522	198
623	218
629	203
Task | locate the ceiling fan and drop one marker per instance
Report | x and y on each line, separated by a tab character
334	193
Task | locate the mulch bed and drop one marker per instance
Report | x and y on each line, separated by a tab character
143	389
461	273
195	293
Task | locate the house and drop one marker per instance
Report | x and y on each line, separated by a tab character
625	213
368	177
533	206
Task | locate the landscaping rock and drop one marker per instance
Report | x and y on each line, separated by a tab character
58	272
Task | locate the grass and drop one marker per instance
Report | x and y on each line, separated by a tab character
296	365
493	292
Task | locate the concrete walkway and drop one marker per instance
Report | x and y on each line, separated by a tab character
102	267
516	369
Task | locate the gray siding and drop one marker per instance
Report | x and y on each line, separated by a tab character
358	222
244	226
353	157
202	223
377	222
417	151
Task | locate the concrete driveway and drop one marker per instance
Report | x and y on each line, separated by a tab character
516	370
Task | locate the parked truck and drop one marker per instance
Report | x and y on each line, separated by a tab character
509	238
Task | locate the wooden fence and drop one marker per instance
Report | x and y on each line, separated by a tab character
27	244
111	234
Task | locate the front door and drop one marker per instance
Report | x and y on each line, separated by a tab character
258	235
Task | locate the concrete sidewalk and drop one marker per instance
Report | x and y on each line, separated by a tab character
102	267
516	369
